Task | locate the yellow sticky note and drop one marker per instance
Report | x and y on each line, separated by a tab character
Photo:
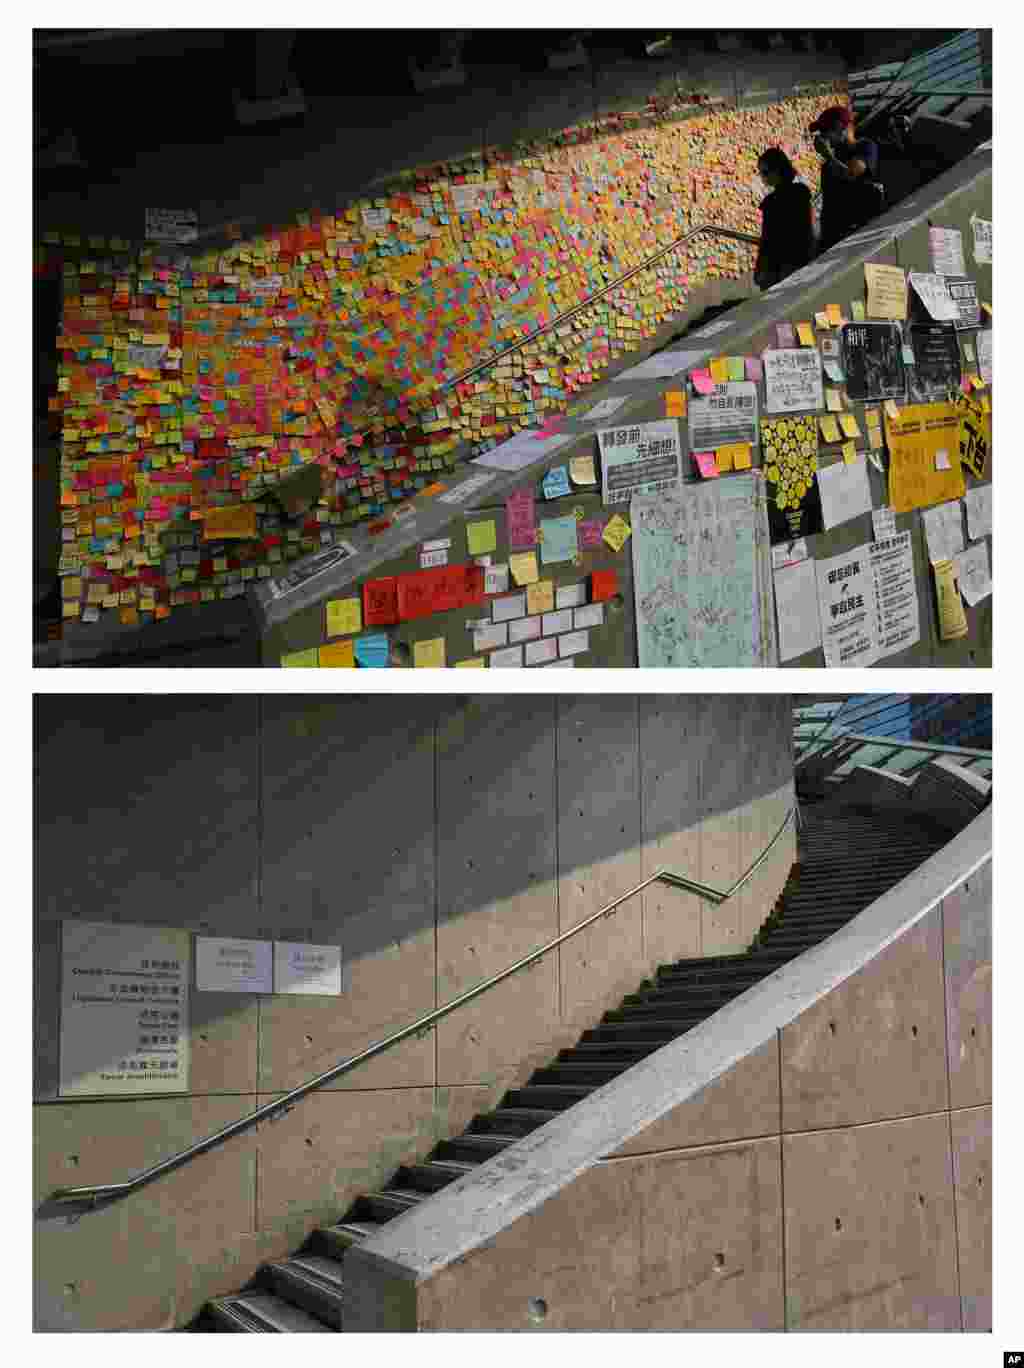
540	597
741	456
344	617
300	660
805	333
481	538
338	655
875	438
428	655
617	532
675	404
724	458
523	565
477	663
848	423
849	453
891	410
821	320
720	370
833	400
834	315
829	429
857	310
983	400
581	469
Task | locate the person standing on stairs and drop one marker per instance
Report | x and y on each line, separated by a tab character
851	193
787	231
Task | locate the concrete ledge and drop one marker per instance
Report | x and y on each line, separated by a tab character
473	1211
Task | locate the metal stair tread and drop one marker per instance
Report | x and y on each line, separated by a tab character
273	1313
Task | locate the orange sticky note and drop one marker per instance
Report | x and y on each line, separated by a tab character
675	404
436	488
338	655
834	316
724	458
805	334
741	459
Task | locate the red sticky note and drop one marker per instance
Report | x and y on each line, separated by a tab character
604	584
380	602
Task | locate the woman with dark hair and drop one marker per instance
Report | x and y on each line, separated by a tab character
787	232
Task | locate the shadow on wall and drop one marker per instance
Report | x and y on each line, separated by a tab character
362	821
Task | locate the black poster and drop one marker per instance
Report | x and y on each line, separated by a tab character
936	369
873	360
964	293
789	452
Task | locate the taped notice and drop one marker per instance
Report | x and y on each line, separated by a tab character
898	614
792	380
847	609
728	414
931	289
887	291
982	231
947	249
914	439
643	459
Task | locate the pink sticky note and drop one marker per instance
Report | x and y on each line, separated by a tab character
752	365
702	381
590	532
784	335
521	519
706	464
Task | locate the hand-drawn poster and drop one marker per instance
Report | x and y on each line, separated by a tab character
975	437
792	381
915	439
789	449
702	576
873	360
935	374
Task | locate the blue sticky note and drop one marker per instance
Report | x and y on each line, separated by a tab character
556	482
558	540
373	651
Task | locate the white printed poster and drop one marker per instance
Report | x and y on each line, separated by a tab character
947	248
898	615
846	604
645	458
124	1010
792	380
982	230
935	297
728	414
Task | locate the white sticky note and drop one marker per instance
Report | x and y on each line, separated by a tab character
571	595
513	606
573	643
972	574
539	652
496	579
430	560
942	459
512	658
524	629
558	622
489	637
590	615
978	503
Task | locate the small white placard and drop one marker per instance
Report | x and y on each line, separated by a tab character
431	560
524	629
307	968
488	637
514	606
225	964
571	595
558	622
590	615
573	643
539	652
496	579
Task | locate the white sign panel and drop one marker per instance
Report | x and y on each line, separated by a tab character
124	1010
898	616
846	603
793	380
307	968
728	414
172	225
643	459
225	964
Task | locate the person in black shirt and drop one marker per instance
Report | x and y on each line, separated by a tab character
850	193
787	235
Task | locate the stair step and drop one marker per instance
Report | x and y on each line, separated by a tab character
475	1149
431	1176
711	962
386	1205
311	1282
662	1011
578	1071
554	1098
338	1238
700	996
510	1120
262	1312
639	1028
598	1052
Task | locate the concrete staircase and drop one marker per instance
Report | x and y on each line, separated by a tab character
846	859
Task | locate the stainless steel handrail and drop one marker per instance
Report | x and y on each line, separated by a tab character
91	1196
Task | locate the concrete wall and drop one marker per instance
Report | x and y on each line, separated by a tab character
834	1175
435	840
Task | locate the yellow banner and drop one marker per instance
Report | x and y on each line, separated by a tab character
924	447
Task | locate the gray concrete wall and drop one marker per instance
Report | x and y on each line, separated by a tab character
435	840
815	1156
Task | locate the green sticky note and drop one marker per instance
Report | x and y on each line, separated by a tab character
481	537
735	364
558	540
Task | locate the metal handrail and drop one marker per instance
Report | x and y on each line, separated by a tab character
90	1196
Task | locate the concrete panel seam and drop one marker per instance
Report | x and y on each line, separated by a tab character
949	1115
956	1222
866	1125
782	1191
684	1149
